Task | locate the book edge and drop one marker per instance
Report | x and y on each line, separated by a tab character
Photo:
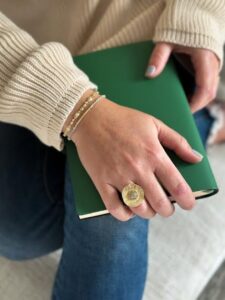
94	214
197	194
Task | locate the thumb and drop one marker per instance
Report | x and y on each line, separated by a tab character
158	59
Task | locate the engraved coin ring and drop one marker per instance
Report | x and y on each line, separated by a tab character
132	194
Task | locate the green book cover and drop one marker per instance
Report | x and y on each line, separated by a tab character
119	74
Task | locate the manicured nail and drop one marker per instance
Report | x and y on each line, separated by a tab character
197	153
150	70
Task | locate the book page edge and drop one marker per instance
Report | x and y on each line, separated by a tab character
94	214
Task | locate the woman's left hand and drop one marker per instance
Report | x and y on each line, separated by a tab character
206	66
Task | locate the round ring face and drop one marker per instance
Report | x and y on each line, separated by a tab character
133	195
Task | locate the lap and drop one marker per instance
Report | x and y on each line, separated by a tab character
32	197
98	252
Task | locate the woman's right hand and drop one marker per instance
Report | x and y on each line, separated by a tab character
117	145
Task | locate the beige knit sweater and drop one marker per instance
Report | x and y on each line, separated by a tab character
39	84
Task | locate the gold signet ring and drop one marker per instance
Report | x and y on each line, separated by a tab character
133	194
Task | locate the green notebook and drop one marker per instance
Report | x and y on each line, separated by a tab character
119	73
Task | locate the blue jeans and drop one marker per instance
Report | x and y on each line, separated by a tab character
102	257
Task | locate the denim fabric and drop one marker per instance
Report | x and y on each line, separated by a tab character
102	257
31	197
204	123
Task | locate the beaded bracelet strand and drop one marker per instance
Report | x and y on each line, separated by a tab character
77	114
82	116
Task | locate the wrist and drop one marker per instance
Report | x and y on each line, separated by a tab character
77	106
89	122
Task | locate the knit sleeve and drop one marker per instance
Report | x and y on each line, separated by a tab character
39	85
193	23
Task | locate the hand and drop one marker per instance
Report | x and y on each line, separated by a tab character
117	144
206	67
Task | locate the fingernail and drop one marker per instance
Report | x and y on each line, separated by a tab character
197	153
150	70
133	216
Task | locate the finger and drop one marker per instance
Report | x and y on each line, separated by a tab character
206	69
143	210
203	95
173	181
158	59
155	196
176	142
113	203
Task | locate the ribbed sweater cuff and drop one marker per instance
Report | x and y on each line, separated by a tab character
39	85
198	24
190	39
42	91
60	109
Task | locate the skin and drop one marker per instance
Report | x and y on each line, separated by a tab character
219	135
206	67
114	162
117	144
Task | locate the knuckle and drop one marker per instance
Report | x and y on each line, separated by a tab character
132	162
138	171
159	156
141	209
157	122
144	211
128	158
159	203
153	214
137	168
112	207
209	101
154	153
115	208
169	213
118	213
180	189
182	142
214	92
124	218
189	204
157	56
210	93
